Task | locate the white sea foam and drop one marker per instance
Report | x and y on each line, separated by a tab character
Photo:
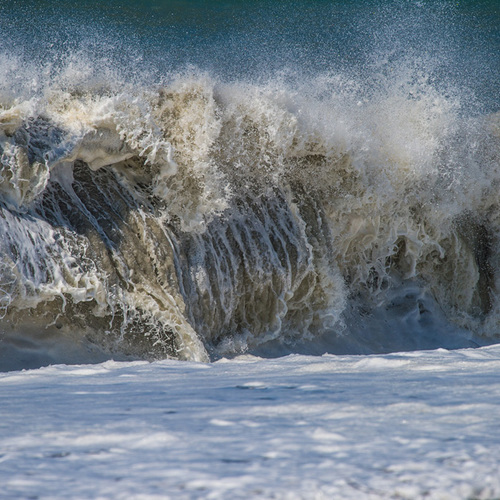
407	425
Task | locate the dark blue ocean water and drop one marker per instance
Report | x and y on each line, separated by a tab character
457	43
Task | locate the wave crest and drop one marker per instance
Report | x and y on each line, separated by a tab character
202	215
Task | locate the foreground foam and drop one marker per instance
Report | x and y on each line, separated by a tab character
409	425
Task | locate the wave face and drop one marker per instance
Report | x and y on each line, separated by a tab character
194	216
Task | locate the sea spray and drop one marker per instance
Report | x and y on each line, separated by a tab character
202	218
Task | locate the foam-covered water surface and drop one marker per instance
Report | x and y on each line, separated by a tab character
410	425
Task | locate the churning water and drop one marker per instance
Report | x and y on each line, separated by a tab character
194	180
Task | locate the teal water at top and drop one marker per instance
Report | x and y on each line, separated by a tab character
456	42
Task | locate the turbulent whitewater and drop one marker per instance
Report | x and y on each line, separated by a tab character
196	217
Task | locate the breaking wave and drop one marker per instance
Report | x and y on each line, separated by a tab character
196	218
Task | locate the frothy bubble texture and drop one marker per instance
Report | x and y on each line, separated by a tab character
271	178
